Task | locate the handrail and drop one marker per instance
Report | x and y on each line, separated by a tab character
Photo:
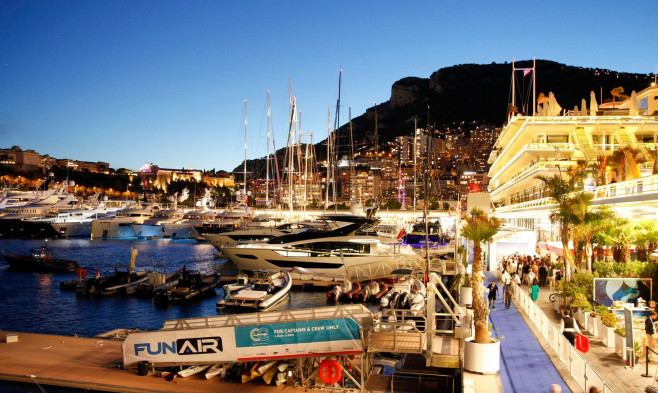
558	343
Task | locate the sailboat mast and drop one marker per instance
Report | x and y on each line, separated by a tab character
513	84
267	161
534	85
291	152
376	132
245	151
352	175
336	139
415	159
326	199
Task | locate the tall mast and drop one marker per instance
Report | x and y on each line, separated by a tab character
336	139
415	159
291	152
244	191
534	85
329	153
513	83
352	180
267	161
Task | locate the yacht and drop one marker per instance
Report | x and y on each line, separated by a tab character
152	227
185	227
256	234
230	220
120	225
351	244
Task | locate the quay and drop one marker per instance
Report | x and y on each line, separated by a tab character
93	364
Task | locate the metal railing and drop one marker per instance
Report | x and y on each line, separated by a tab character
581	371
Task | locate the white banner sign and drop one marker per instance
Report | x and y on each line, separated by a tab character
242	343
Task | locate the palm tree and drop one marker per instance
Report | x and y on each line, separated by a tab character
599	169
479	228
587	230
571	209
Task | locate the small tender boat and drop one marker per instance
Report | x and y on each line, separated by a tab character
118	283
155	280
192	285
264	293
40	260
370	289
383	290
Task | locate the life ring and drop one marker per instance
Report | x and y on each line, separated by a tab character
330	371
81	272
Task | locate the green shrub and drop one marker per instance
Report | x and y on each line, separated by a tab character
580	283
609	320
603	269
621	331
580	301
602	310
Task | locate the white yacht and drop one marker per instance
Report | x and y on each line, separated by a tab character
184	228
351	245
256	234
152	227
120	225
229	220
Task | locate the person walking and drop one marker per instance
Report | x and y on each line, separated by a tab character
534	290
568	326
649	332
493	292
508	294
506	278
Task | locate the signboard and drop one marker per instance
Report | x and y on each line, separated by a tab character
628	326
242	343
607	290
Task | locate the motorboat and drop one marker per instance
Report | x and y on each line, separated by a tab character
39	260
77	222
265	292
125	279
345	291
152	227
329	253
115	284
185	227
120	226
255	234
190	286
229	220
423	234
155	281
408	292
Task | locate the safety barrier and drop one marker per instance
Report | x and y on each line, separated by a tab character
581	371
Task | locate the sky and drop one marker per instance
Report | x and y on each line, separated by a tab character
165	82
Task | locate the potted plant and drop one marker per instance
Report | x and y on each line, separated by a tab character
620	341
608	325
592	323
583	307
600	310
482	353
462	281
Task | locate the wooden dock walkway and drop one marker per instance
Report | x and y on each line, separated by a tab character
94	363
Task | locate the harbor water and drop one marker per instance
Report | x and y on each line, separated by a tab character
34	302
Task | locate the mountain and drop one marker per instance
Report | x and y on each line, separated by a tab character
474	92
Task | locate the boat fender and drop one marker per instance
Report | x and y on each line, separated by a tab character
81	272
330	371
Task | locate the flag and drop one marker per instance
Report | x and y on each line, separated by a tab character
526	71
472	187
98	272
401	234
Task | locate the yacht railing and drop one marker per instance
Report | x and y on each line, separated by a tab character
581	371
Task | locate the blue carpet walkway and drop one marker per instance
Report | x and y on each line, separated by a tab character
524	366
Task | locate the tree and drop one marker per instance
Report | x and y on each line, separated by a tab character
618	92
571	209
586	231
479	228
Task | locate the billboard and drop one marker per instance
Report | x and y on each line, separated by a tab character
243	343
608	290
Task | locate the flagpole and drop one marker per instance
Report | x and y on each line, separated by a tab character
534	85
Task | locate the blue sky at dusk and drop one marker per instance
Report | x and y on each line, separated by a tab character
128	82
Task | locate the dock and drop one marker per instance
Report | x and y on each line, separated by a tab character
93	363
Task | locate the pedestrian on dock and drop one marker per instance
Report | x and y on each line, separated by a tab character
493	292
568	326
534	290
